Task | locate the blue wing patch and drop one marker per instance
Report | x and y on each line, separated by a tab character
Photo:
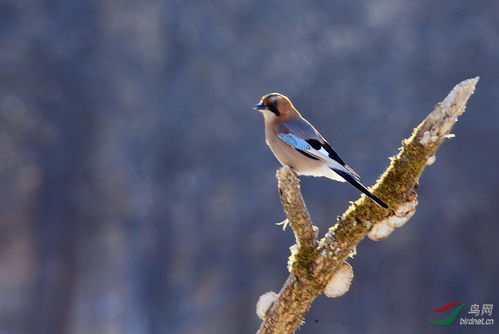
297	143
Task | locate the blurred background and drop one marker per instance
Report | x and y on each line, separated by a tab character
138	195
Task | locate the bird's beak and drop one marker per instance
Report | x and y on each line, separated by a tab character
259	107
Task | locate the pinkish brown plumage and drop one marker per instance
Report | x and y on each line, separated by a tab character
297	144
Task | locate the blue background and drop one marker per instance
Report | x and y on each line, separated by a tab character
138	195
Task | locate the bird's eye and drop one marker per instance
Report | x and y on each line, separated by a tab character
273	107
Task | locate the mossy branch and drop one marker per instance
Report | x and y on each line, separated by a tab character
314	264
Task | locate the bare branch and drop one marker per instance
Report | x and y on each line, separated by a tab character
314	266
295	209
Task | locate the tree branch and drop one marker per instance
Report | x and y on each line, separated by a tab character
313	265
294	207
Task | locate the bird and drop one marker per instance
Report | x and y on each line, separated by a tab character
297	144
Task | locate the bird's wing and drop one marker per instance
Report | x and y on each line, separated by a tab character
303	137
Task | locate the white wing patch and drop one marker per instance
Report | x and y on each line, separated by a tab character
323	152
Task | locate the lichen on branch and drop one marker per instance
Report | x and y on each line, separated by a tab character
313	263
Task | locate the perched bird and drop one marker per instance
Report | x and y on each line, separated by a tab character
297	144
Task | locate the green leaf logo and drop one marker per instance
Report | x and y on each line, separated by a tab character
451	318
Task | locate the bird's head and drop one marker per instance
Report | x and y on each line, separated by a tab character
275	105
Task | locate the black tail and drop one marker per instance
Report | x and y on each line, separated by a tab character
360	186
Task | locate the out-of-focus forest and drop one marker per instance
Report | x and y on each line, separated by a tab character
138	195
